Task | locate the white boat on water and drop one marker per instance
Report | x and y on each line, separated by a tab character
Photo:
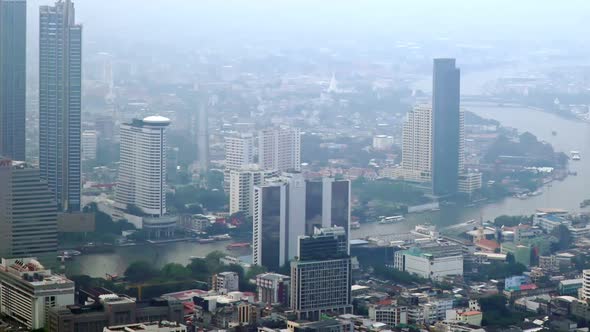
391	219
575	155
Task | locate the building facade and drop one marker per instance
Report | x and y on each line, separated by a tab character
142	169
241	187
390	315
446	123
28	213
278	219
13	56
28	291
273	288
288	207
280	149
417	145
321	275
431	262
225	282
239	153
89	144
60	101
160	326
469	182
107	309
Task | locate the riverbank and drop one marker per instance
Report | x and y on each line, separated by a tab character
566	194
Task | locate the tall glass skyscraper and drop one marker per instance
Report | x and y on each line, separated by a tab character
60	94
446	118
13	22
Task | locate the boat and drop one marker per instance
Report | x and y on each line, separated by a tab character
238	245
222	237
355	225
64	258
70	253
391	219
575	155
205	240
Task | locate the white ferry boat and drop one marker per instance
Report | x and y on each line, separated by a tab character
391	219
575	155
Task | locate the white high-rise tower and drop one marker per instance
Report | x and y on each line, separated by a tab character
280	149
142	171
417	145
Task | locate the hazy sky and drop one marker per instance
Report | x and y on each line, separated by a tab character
428	18
197	23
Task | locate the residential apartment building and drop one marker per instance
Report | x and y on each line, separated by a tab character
417	145
280	149
241	187
142	170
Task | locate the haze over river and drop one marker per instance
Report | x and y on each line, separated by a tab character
567	194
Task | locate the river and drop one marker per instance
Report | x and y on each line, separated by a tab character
567	194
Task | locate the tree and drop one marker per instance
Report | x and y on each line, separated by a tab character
175	271
564	238
140	271
255	270
511	221
199	269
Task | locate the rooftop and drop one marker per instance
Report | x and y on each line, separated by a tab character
156	120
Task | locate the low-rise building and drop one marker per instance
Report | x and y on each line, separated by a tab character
226	282
390	315
160	326
470	317
28	290
431	262
103	308
328	325
273	288
469	182
570	287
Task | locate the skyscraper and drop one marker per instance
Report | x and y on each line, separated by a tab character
327	204
28	213
446	119
417	145
203	137
288	207
280	149
142	170
13	22
60	93
239	152
241	187
278	220
321	275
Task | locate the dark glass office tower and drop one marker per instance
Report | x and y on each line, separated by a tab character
446	118
327	204
321	275
60	94
13	22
